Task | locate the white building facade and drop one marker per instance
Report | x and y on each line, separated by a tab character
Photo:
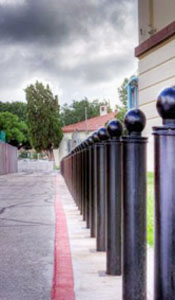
76	133
156	55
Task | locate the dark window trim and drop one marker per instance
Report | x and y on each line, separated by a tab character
156	39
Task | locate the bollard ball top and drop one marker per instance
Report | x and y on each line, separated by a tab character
166	105
103	134
86	142
95	137
135	121
83	145
90	141
80	146
114	128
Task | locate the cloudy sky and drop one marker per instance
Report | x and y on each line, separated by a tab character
80	47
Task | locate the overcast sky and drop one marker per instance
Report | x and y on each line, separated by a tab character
80	47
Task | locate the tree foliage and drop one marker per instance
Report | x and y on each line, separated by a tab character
17	108
16	131
76	111
122	108
43	117
122	91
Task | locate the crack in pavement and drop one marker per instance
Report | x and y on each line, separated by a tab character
3	209
25	222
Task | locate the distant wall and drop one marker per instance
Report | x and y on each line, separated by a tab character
31	165
8	159
56	157
63	147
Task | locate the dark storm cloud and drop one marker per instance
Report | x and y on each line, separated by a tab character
54	22
91	71
70	43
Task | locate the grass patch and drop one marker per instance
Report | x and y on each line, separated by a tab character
56	168
150	209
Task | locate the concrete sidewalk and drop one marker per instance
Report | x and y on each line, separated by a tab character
26	236
90	280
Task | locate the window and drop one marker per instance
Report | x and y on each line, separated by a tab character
132	92
69	145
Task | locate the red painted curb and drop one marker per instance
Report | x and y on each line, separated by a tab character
63	282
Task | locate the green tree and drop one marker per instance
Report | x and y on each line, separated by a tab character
20	110
122	108
15	129
43	118
122	91
78	110
17	108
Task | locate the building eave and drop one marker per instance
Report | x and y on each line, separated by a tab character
156	39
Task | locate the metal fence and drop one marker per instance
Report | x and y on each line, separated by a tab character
8	159
106	175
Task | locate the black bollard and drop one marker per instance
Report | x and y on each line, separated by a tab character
91	179
77	181
86	180
71	171
94	185
90	173
75	175
134	207
83	180
101	191
79	177
164	136
114	198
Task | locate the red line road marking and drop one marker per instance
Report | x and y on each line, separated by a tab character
63	283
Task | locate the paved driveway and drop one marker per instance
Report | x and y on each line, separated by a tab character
26	236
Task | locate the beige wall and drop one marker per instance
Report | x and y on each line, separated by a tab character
156	66
63	145
154	15
63	149
156	72
164	13
143	12
56	157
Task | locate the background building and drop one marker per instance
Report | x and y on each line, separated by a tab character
156	54
76	133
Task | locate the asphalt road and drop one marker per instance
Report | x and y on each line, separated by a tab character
27	226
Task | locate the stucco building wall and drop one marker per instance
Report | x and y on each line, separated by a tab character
63	148
8	159
153	16
156	59
156	72
163	13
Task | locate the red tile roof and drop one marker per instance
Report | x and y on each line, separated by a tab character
91	124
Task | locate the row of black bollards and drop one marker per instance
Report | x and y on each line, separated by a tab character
96	175
106	175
